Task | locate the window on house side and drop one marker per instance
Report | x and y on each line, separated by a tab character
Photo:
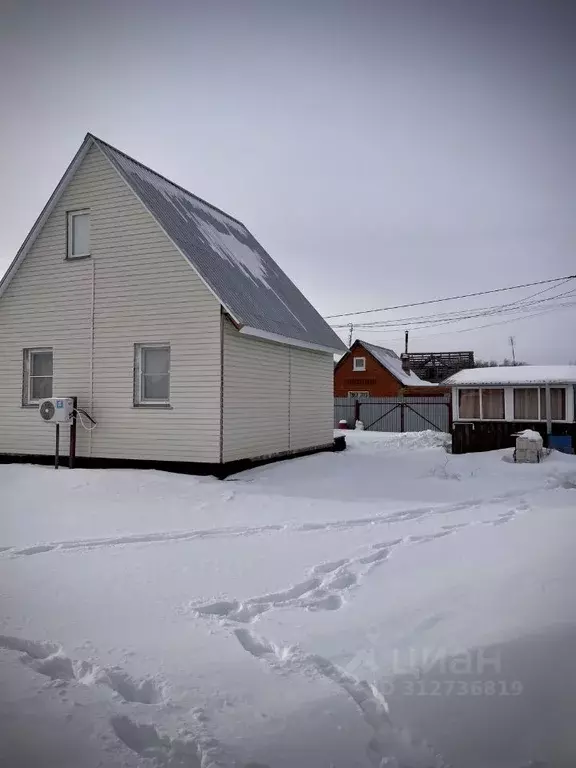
152	372
526	404
38	375
78	234
359	364
557	401
469	403
492	404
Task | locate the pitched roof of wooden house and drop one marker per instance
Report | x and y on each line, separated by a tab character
389	360
259	297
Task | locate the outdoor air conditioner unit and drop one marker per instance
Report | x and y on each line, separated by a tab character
56	410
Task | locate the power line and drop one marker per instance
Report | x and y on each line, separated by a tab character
453	298
441	318
547	310
523	309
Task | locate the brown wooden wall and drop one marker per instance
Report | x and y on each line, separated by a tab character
473	437
375	379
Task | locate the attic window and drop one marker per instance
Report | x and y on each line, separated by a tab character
359	364
78	234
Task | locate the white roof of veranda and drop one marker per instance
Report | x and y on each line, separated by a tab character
514	375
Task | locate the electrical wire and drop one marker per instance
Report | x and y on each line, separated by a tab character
564	278
79	412
500	322
546	311
458	315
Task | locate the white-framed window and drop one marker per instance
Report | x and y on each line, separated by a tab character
355	395
557	403
476	403
78	234
38	375
526	405
152	374
530	403
492	404
359	364
469	403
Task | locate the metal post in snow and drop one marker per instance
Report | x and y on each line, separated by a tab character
548	411
57	448
356	411
72	451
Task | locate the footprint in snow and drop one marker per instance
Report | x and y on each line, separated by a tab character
186	750
423	538
329	566
502	519
322	591
145	740
49	659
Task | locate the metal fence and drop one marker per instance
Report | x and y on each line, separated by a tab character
395	414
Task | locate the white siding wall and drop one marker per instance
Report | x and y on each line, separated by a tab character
144	292
311	399
256	397
276	398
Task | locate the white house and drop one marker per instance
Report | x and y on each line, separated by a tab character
169	322
490	404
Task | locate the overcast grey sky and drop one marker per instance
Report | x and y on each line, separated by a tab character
382	152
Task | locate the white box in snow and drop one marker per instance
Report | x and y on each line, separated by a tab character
529	447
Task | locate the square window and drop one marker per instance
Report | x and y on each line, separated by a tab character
526	404
492	404
78	234
469	403
38	375
557	401
359	364
152	374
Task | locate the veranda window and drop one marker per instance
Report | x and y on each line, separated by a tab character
481	403
469	403
526	404
557	402
492	404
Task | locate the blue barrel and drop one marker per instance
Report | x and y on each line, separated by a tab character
562	443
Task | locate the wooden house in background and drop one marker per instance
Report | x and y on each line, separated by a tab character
367	370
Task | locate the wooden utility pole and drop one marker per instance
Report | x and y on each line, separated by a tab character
512	342
350	332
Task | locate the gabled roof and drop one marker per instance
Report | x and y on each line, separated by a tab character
514	374
390	360
256	293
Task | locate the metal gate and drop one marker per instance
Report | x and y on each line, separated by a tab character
395	414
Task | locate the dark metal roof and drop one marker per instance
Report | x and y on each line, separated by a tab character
244	278
437	366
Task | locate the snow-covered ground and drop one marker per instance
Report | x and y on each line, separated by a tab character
392	605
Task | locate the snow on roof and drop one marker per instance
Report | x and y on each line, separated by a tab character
390	360
247	281
519	374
